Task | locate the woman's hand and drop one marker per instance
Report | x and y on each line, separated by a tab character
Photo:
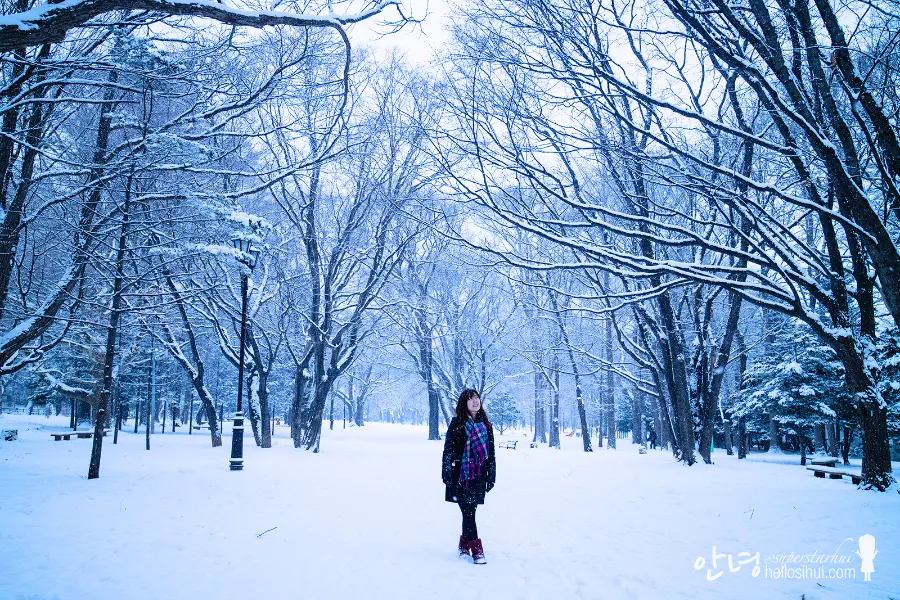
447	475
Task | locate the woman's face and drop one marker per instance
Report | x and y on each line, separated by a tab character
474	404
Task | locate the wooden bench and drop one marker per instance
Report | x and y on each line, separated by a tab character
824	462
10	435
201	426
509	445
67	435
856	478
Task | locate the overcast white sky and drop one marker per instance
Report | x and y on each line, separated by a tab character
419	42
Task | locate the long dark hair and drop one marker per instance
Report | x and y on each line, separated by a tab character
462	408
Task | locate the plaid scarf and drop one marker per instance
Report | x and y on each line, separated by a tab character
475	452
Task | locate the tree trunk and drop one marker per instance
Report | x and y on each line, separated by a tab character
675	372
876	459
316	416
11	227
118	425
820	438
17	78
331	414
426	371
774	436
579	400
877	469
155	419
554	406
769	339
742	368
637	411
111	334
601	421
361	408
540	434
196	371
253	406
262	393
845	445
654	408
151	394
833	438
729	438
582	417
610	390
710	399
298	404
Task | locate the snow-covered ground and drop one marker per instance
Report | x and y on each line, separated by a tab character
365	518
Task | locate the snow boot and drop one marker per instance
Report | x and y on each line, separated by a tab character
477	552
464	546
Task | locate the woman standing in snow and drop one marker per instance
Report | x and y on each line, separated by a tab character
469	468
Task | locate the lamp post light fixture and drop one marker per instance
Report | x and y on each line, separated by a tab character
237	430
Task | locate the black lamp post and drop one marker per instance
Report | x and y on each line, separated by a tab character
237	431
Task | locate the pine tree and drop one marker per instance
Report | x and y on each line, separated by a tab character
888	355
503	411
799	382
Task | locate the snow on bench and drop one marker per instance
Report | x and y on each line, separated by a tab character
509	445
824	462
67	435
835	473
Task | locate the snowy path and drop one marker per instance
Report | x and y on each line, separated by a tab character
366	519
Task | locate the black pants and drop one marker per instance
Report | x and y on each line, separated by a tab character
469	529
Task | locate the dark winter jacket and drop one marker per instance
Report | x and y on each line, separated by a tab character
454	445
